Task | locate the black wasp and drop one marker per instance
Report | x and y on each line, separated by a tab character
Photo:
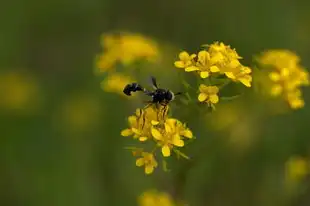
159	95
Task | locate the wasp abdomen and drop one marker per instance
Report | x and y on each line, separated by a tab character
133	87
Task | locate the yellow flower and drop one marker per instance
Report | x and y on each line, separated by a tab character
296	169
19	92
225	58
295	100
125	48
208	94
115	82
138	127
279	58
148	161
140	124
181	128
106	61
78	113
204	65
243	75
185	61
170	135
155	198
136	46
286	75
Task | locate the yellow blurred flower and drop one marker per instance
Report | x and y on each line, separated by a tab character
126	48
279	58
18	91
296	169
115	82
155	198
286	75
208	94
295	99
148	161
226	117
78	113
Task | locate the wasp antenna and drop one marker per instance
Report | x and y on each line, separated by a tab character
178	93
154	83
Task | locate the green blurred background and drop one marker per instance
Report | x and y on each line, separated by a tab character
60	140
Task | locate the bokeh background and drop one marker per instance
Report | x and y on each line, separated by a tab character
60	141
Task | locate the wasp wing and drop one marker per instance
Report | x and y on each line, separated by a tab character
154	83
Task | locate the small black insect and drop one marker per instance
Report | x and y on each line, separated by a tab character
159	95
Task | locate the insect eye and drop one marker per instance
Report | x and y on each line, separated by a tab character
168	95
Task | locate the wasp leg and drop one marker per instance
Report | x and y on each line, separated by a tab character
149	103
165	109
142	114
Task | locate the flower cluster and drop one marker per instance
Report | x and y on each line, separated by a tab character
123	49
153	125
215	60
286	74
155	198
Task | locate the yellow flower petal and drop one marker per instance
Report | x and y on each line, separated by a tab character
136	131
247	70
184	56
178	142
234	64
246	81
148	169
179	64
187	133
168	128
276	90
202	97
203	56
153	122
203	88
297	103
193	56
126	132
165	150
214	99
191	68
132	120
204	74
156	134
230	75
285	72
274	76
218	57
214	69
140	162
142	139
213	89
